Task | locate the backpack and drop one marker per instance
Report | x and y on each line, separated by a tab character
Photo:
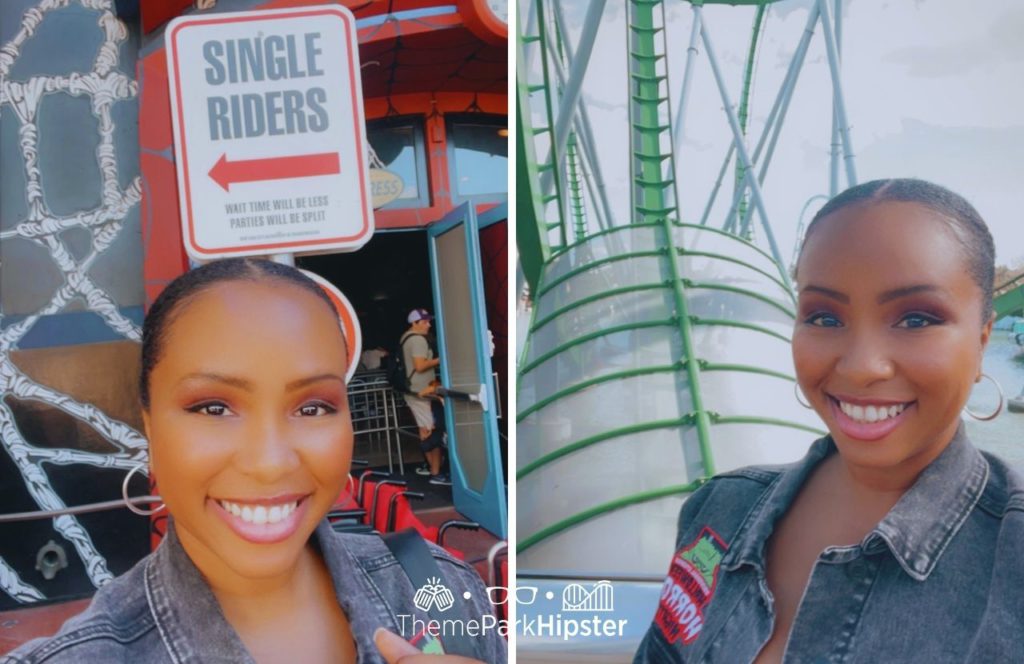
399	374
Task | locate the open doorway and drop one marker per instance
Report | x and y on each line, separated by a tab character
384	280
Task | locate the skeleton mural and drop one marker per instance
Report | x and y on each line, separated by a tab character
105	85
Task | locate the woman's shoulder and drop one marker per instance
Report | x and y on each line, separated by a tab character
1003	497
115	622
373	554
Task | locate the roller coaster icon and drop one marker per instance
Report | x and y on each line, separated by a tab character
599	598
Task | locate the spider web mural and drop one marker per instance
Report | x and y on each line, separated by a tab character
103	86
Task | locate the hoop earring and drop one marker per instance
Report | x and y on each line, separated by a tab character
999	408
796	392
128	503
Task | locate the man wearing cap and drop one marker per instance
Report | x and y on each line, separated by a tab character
421	364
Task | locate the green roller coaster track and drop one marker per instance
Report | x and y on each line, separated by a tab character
581	274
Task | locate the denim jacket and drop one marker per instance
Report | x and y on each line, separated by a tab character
163	612
939	579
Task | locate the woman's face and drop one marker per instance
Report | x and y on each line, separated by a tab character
888	339
249	430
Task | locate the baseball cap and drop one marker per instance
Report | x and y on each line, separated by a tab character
418	315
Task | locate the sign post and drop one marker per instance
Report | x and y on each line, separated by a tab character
269	135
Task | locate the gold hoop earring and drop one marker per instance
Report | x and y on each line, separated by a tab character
128	501
999	408
796	392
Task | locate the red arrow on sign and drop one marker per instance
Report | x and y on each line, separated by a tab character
226	172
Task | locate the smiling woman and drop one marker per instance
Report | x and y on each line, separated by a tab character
245	409
894	539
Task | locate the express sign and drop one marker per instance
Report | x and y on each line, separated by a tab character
269	133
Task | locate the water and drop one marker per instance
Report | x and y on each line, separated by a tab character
1004	361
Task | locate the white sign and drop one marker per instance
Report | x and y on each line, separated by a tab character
269	136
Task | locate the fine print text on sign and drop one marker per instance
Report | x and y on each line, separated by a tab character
269	134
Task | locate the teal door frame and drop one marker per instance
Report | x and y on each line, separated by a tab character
487	507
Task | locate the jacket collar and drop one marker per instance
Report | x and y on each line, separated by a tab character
916	530
193	627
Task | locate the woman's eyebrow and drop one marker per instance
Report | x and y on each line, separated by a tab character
897	293
219	378
302	382
887	296
828	292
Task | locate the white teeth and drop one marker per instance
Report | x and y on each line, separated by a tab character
870	413
260	514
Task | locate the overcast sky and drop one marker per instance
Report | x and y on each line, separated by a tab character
933	89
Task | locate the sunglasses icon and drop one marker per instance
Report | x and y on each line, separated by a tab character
500	594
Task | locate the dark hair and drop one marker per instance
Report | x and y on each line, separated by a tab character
965	222
190	284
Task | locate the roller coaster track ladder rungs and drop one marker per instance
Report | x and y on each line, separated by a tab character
653	183
651	157
649	29
655	211
655	78
646	56
654	130
652	102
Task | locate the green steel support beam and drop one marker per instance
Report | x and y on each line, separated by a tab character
579	218
541	322
701	419
590	336
531	236
604	508
649	116
744	109
1010	298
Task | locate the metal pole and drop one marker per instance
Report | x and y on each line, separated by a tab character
691	56
833	181
283	259
776	128
837	92
800	228
589	158
583	124
531	25
741	149
718	184
574	86
773	127
602	223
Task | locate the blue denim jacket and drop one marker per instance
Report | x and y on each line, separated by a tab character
939	579
163	612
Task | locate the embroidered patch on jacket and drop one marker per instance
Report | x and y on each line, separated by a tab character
427	643
689	587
